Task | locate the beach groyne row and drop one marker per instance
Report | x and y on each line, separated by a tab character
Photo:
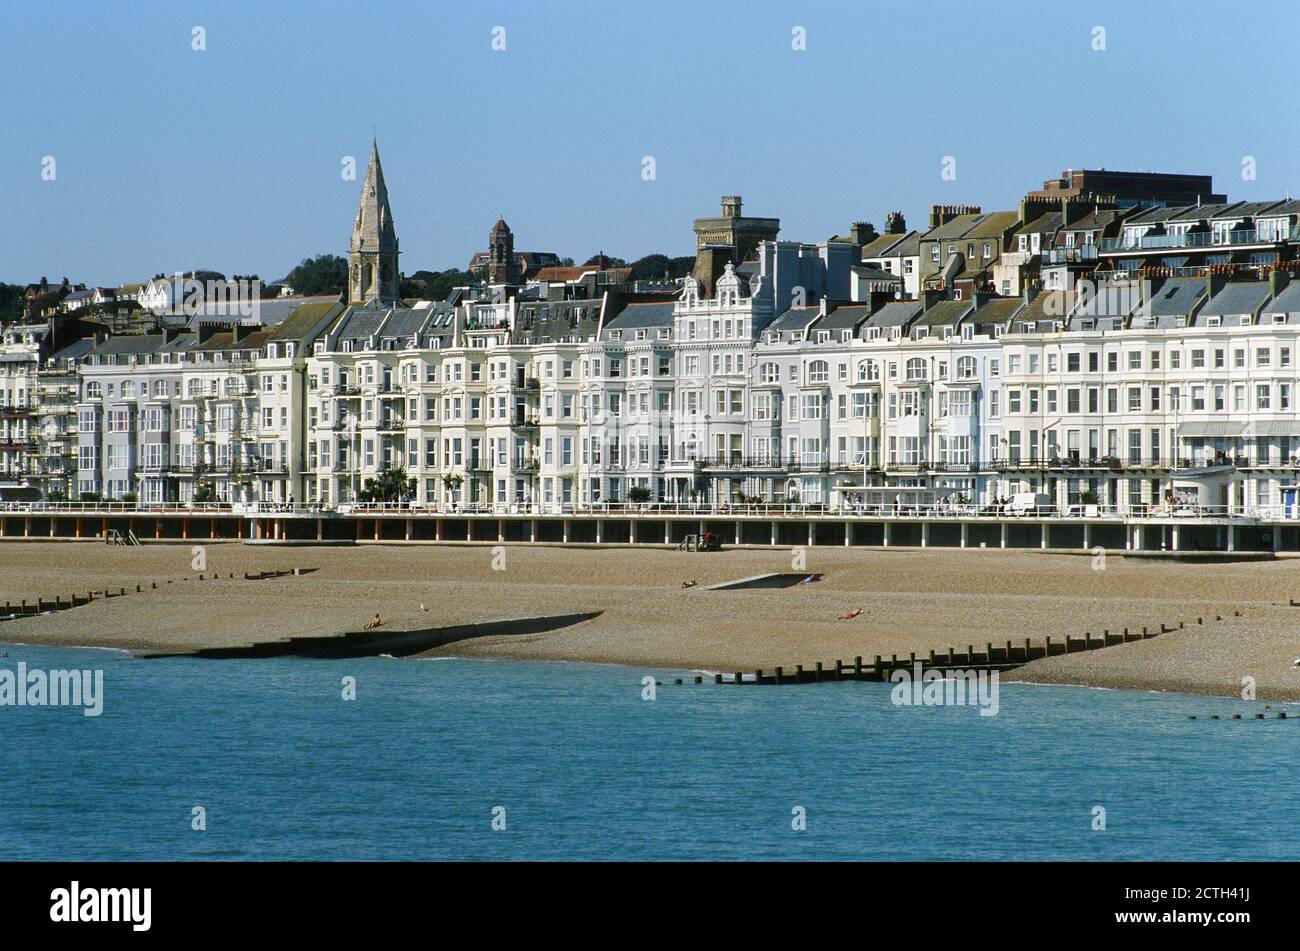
1281	715
1005	656
14	610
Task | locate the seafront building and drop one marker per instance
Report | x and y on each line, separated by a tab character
1126	349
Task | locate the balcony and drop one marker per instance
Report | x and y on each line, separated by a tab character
737	461
526	422
1199	239
1078	255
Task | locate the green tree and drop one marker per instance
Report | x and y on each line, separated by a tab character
11	303
436	285
392	485
661	267
318	276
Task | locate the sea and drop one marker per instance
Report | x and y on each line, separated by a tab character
381	758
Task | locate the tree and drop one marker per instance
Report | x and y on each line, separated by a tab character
638	494
11	303
436	285
318	276
392	485
661	267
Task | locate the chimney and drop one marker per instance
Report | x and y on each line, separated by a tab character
731	206
863	232
895	223
932	296
942	214
822	310
1277	282
1214	283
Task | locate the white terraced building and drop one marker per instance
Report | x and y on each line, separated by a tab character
756	379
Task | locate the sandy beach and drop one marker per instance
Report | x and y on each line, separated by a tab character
911	600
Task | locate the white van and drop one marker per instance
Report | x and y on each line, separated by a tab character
1029	503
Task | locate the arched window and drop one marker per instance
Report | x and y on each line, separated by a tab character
966	368
768	373
819	371
868	371
916	368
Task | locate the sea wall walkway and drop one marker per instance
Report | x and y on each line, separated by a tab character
1148	529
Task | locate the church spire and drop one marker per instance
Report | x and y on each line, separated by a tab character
372	255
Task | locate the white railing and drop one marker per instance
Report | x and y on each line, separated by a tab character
845	510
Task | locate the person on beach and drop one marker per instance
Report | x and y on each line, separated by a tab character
850	615
689	584
374	622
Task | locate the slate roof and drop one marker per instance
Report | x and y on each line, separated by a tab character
894	314
1240	297
795	319
1287	302
944	313
303	317
994	313
844	317
641	316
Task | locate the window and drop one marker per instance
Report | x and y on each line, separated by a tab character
818	371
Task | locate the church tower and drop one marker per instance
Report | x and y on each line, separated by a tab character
501	255
372	256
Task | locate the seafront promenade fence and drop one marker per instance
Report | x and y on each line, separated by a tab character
1150	528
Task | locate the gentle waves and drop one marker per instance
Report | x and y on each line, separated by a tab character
584	768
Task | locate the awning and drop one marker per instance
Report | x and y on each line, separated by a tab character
1273	427
1212	427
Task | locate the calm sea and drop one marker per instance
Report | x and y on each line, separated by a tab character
584	768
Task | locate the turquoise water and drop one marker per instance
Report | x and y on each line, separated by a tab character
585	768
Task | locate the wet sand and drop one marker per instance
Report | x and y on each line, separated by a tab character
911	600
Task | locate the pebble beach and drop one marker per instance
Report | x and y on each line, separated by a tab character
911	600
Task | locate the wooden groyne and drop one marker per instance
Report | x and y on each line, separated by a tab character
14	610
1005	656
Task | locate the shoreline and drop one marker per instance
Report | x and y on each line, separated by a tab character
912	601
1006	676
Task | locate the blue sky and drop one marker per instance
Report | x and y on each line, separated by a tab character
169	158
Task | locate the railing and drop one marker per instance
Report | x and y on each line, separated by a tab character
1200	239
1085	252
1074	511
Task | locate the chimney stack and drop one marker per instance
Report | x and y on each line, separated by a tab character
863	232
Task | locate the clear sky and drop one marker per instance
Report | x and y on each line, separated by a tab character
230	158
